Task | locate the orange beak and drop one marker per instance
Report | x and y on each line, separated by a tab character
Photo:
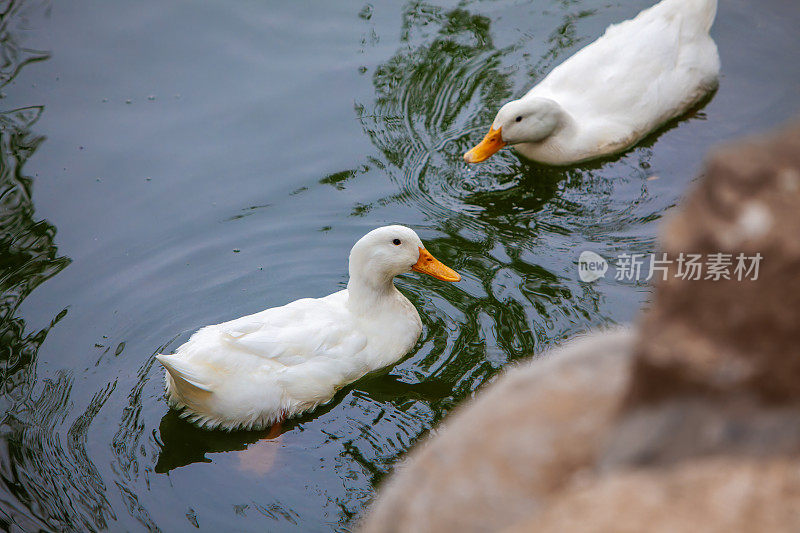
427	264
487	147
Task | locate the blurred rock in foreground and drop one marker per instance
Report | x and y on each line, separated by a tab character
689	423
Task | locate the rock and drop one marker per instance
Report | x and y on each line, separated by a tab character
500	457
692	427
719	495
730	336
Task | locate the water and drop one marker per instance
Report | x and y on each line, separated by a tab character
167	165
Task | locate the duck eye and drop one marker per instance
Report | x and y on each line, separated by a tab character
519	118
396	242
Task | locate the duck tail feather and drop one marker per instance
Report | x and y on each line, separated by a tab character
183	373
699	12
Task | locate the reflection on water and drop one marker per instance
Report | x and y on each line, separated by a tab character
423	95
54	481
182	443
498	226
128	449
13	21
86	439
47	480
431	98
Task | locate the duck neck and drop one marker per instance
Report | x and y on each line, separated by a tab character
564	124
370	296
557	147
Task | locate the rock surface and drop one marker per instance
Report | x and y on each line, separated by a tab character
497	460
731	336
688	424
719	495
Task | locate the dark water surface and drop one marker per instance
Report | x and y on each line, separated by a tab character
167	165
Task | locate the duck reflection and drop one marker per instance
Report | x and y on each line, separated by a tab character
182	443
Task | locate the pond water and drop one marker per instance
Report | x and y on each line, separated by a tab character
167	165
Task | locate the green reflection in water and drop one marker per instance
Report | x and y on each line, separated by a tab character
494	220
45	483
509	227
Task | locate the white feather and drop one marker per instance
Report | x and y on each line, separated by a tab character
258	369
639	75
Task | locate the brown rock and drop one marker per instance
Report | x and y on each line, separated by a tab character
724	494
499	458
731	336
688	427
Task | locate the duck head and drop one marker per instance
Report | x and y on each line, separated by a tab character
386	252
527	120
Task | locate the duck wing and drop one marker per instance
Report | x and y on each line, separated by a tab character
295	333
309	348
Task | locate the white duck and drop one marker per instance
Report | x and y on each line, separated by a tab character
640	74
259	369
